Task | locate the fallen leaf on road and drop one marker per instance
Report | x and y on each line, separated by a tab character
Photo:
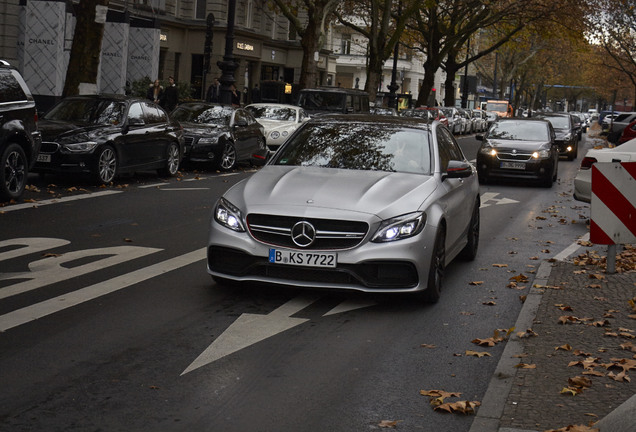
476	283
574	428
477	354
570	391
565	347
388	423
500	265
428	346
464	407
525	366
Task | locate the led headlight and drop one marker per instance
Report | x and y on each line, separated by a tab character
488	150
400	227
541	154
82	147
228	215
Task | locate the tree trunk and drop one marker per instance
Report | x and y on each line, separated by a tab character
428	82
449	87
83	64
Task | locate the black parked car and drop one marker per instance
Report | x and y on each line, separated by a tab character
221	135
567	138
105	135
19	137
518	148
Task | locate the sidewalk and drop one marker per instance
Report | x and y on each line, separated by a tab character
585	325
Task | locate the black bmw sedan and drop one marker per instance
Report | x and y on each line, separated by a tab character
106	135
518	148
220	135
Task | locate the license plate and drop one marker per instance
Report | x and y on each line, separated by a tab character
306	259
44	158
513	165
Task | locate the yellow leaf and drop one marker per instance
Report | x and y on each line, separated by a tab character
565	347
500	265
477	354
570	391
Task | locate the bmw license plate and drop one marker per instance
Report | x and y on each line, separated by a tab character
306	259
513	165
44	158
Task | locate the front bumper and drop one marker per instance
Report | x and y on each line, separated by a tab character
399	266
583	186
489	166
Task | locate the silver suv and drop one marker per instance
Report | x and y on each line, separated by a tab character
20	140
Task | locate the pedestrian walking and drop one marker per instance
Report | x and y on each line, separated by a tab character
170	96
256	94
214	91
236	97
155	92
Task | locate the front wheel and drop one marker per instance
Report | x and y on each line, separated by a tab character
14	171
436	270
228	157
173	159
106	165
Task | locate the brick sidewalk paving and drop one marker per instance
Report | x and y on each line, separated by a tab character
597	320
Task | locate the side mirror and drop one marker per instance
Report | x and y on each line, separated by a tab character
458	169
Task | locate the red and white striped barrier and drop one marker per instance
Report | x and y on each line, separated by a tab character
613	212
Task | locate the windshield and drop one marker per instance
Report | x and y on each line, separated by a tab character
519	130
358	146
273	113
559	122
203	114
499	107
321	101
88	111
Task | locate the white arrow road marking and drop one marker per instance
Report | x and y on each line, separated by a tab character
349	305
490	196
249	329
56	304
28	245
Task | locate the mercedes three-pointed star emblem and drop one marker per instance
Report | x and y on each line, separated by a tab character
303	234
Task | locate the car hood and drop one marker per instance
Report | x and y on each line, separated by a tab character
199	129
327	192
53	130
518	144
276	124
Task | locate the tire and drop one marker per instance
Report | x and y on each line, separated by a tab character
14	169
106	165
173	160
469	253
436	269
228	158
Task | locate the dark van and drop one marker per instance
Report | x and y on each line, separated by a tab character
324	100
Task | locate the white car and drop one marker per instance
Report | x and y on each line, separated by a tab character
583	180
279	121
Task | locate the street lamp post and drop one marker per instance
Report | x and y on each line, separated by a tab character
229	65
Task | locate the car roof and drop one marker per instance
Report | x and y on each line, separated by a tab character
274	105
335	90
413	122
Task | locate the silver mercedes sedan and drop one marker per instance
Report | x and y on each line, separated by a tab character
355	202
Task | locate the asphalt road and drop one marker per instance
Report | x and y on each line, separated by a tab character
110	322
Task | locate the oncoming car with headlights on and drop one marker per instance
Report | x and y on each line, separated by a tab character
518	148
359	202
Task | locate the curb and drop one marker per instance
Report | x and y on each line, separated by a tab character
492	406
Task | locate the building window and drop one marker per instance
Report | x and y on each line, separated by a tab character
249	13
199	11
346	44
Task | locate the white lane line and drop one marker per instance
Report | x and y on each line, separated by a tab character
561	256
56	201
56	304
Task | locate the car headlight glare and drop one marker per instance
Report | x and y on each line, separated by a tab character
541	154
488	151
401	227
228	215
275	135
82	147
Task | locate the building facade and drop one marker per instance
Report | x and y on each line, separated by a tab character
150	39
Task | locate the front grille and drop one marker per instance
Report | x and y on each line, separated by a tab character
509	156
49	147
369	274
330	234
